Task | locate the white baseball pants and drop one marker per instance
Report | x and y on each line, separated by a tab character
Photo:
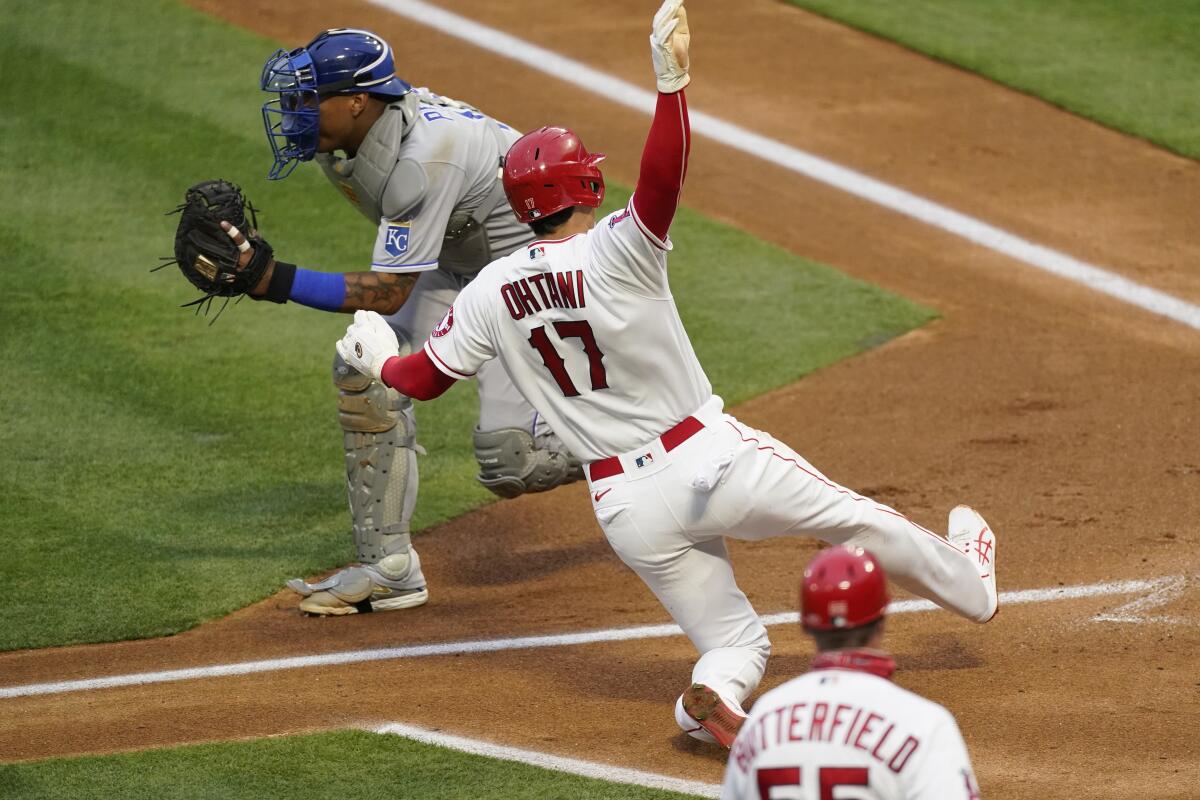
666	514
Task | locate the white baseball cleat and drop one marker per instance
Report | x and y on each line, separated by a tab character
720	719
971	534
395	582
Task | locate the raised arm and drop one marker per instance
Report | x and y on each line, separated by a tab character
664	158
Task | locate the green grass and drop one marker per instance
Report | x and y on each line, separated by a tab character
155	471
351	764
1133	66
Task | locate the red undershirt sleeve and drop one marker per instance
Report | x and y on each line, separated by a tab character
664	164
415	376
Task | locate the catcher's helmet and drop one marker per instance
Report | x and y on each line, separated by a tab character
337	61
548	170
843	587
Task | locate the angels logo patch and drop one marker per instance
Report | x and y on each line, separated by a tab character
396	238
445	325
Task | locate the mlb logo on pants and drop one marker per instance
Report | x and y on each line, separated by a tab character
644	461
396	241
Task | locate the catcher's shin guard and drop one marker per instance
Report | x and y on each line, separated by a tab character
381	483
381	462
512	463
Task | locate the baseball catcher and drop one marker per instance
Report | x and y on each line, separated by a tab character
424	170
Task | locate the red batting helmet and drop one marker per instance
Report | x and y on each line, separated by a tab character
548	170
843	587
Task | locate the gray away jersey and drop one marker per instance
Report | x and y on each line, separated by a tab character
410	183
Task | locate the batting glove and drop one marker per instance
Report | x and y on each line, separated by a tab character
368	344
669	41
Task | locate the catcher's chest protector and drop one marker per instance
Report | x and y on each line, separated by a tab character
362	179
387	177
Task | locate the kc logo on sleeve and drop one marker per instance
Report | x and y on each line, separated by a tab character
396	241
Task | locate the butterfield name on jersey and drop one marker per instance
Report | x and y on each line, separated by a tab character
839	724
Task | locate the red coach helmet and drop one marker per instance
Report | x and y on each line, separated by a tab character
843	587
548	170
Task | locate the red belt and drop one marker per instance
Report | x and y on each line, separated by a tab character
607	467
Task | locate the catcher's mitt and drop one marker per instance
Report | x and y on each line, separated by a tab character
206	254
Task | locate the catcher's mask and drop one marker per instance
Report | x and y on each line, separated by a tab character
548	170
337	61
843	587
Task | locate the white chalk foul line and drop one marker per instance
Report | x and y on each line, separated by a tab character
524	642
1134	612
572	766
804	163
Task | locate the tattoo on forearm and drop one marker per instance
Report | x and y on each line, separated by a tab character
384	292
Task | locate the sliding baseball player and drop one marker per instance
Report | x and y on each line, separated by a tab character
584	321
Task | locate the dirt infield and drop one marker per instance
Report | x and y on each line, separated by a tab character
1068	418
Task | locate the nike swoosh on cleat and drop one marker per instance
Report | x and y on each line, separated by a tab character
598	495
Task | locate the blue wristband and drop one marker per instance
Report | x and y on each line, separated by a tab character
323	290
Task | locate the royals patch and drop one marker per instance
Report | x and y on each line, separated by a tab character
396	239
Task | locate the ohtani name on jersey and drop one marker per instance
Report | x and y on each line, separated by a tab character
526	296
840	723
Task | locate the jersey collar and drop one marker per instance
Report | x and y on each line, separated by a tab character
553	241
875	662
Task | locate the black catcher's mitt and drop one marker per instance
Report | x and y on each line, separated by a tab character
205	253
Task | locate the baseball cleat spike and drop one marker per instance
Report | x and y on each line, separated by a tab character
713	714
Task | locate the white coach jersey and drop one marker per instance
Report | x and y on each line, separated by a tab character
840	734
588	330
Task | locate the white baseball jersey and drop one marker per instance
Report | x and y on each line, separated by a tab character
843	734
589	334
588	330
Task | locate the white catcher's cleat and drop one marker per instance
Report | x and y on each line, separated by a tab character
975	539
395	582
